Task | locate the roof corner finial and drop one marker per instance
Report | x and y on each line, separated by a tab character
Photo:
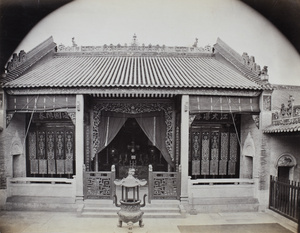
195	43
73	42
264	74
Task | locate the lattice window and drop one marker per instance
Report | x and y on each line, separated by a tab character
214	151
51	150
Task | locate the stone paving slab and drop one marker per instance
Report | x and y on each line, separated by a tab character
68	222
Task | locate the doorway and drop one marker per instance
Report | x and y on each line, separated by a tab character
131	148
283	174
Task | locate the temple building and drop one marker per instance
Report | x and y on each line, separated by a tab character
189	120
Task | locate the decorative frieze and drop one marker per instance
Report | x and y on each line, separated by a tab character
289	114
134	48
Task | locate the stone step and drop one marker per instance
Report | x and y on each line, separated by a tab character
115	215
225	201
40	199
106	209
213	205
21	206
40	203
146	209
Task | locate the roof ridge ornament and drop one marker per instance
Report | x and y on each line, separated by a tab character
73	42
249	62
16	60
195	43
134	41
289	114
135	49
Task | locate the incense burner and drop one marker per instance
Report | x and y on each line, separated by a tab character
130	203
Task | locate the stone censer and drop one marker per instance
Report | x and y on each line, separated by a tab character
130	202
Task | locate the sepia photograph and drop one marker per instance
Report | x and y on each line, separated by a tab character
162	116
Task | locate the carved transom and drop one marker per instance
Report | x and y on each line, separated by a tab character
134	108
286	161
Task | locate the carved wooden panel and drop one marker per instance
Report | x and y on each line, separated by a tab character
51	151
205	154
42	166
34	167
233	154
196	153
98	185
224	154
165	185
214	151
214	155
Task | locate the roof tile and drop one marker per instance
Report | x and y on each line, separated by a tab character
133	71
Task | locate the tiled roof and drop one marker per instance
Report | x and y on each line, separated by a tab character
28	60
282	128
246	66
83	70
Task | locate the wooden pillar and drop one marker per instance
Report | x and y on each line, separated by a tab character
184	147
79	148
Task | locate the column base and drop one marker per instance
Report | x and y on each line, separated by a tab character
80	205
184	199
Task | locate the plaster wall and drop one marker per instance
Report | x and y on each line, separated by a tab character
285	144
261	161
14	147
250	146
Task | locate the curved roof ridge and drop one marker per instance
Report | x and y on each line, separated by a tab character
243	63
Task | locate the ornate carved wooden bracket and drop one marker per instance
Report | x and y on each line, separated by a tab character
9	117
256	120
72	115
192	118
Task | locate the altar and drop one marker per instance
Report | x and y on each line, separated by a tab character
140	171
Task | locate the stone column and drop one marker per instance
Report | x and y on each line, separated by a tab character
265	119
79	146
184	148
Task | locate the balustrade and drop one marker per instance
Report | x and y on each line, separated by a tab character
99	185
163	185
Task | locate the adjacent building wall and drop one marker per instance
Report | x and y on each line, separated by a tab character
285	144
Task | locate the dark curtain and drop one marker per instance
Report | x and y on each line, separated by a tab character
155	128
153	124
108	128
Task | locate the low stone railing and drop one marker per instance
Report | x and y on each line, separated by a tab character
220	181
215	188
39	186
